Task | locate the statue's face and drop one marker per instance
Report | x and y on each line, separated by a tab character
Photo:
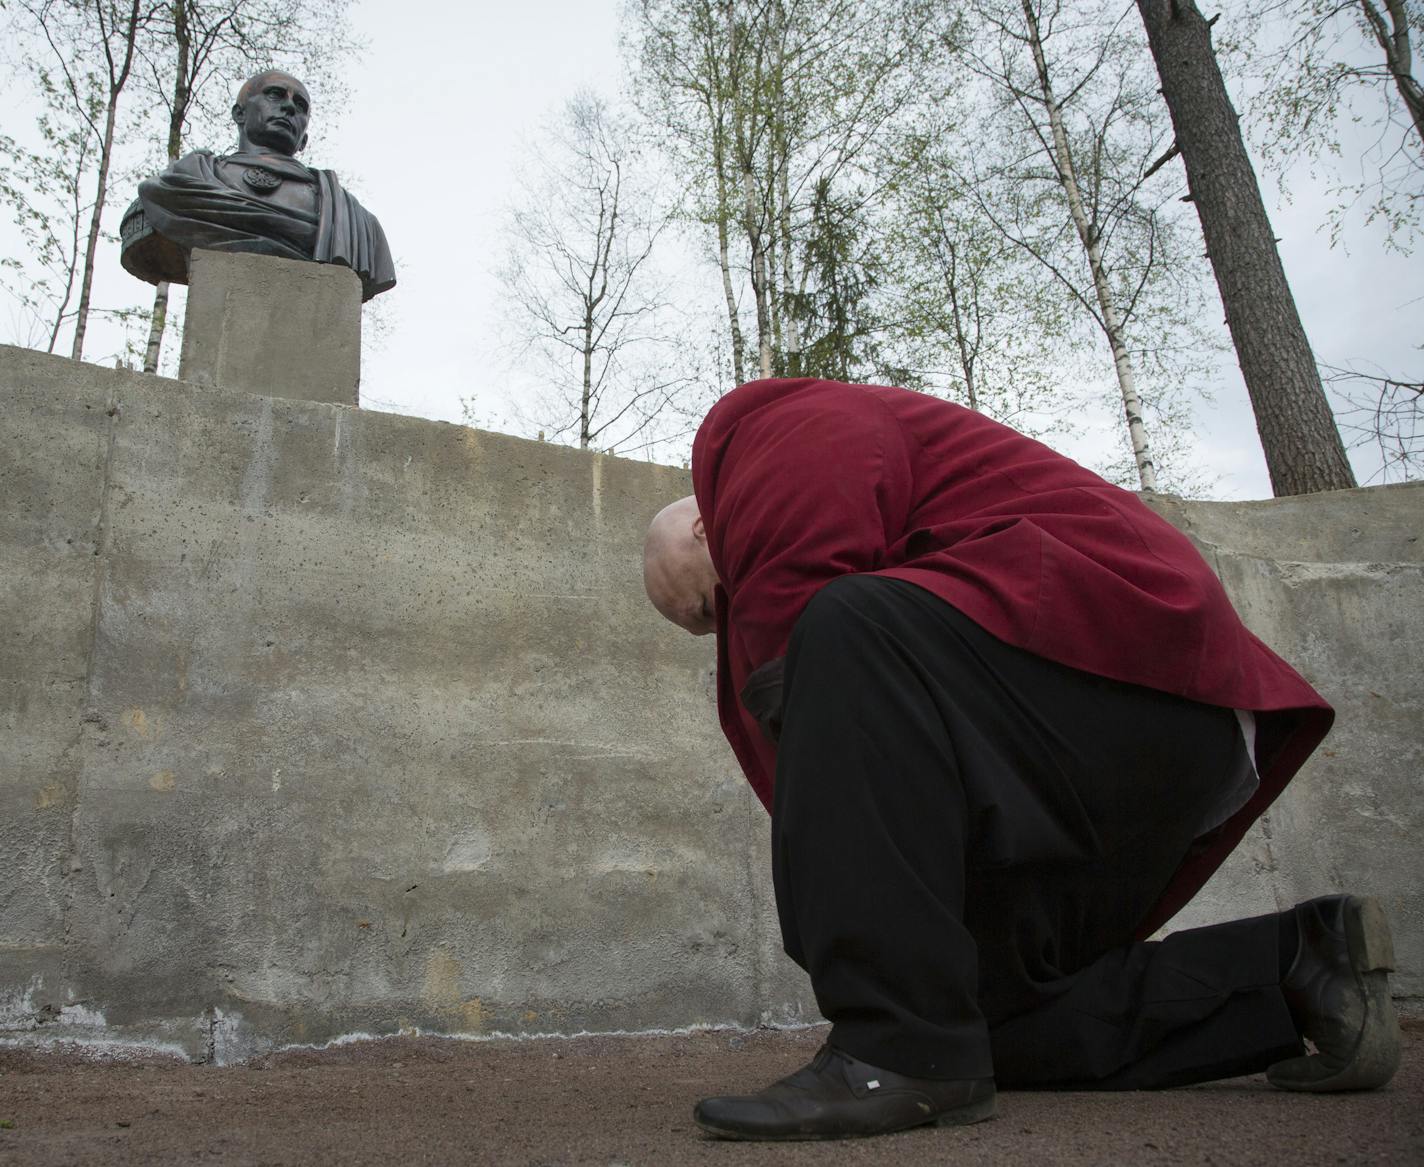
275	114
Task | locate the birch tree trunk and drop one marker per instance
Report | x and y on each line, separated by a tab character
587	395
967	351
746	101
756	239
788	285
117	80
177	114
724	216
157	322
756	243
75	219
1302	445
1092	246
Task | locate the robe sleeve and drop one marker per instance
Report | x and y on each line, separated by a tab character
805	488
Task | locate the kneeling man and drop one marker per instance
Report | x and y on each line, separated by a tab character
1007	723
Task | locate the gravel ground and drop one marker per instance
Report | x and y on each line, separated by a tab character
628	1100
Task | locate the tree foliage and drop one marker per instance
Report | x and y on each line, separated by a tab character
1338	86
85	51
45	190
1064	172
783	114
890	190
972	317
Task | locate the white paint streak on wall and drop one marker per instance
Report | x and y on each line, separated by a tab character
467	852
590	749
596	468
83	1016
17	1006
256	488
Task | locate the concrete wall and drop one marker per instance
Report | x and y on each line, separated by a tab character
315	721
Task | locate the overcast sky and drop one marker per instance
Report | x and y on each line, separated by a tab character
459	89
446	98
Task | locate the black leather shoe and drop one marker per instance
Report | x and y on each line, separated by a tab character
837	1096
1338	993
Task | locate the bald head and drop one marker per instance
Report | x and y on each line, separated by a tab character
677	568
260	80
271	113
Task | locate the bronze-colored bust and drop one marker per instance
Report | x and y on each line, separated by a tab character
259	199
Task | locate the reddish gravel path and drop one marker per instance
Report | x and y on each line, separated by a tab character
627	1100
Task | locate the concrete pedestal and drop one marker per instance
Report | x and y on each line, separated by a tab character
280	327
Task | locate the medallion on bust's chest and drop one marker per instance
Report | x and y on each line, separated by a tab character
262	181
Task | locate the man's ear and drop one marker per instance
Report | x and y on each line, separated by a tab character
238	113
302	145
699	530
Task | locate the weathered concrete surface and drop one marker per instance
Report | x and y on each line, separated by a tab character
317	721
280	327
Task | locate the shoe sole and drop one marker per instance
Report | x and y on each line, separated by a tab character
1376	1055
959	1116
967	1115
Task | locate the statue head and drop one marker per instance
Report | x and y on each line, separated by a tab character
271	114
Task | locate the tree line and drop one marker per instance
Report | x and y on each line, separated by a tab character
987	200
998	201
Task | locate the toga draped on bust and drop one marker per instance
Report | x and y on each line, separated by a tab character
224	203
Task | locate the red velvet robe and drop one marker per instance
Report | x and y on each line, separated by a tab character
799	481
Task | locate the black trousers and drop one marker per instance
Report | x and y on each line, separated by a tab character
965	837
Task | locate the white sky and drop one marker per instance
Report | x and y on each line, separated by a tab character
449	95
458	97
443	104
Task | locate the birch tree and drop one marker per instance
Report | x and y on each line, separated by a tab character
87	50
580	296
685	83
1068	181
780	111
45	192
971	316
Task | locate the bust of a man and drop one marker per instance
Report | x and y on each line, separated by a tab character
258	199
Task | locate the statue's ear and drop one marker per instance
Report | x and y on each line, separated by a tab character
237	113
302	145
